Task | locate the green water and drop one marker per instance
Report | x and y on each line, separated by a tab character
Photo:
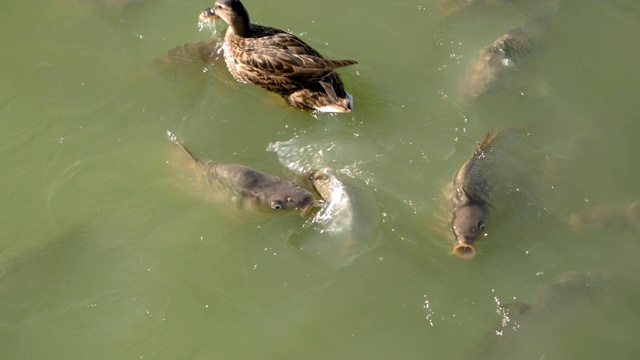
109	251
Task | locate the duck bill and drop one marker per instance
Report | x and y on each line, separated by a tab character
464	251
208	15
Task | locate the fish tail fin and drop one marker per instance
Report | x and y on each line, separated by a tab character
176	140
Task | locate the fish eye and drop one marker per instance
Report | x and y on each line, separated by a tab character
276	205
481	225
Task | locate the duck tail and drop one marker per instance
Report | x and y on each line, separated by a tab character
334	64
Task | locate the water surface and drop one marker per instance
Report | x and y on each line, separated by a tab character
109	251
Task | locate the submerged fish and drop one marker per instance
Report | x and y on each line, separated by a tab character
471	197
564	290
607	216
502	55
448	7
195	54
117	3
567	292
251	187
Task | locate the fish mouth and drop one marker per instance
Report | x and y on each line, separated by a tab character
464	251
208	15
304	211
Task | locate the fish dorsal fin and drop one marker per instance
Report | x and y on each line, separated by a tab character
484	142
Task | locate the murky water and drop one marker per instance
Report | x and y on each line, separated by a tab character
109	250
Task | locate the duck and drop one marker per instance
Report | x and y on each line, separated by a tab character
278	61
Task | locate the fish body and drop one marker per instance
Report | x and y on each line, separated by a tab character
566	294
347	210
449	7
193	53
337	210
117	3
253	187
626	215
471	197
565	290
503	55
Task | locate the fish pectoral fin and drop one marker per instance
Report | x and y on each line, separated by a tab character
247	197
462	195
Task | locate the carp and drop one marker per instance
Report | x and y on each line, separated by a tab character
117	3
502	56
471	197
446	8
565	294
337	207
251	187
196	54
624	215
348	210
564	290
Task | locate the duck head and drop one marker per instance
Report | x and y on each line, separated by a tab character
232	12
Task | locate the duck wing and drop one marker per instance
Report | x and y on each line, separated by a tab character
280	53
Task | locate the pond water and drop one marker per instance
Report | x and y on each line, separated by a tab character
108	249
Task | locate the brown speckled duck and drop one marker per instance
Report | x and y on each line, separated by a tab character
278	61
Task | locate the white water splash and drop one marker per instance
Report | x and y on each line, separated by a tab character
336	213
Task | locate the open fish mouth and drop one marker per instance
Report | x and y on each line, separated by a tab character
464	251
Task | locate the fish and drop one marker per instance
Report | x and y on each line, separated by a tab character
194	54
566	292
337	210
196	63
117	3
507	52
471	197
447	8
251	187
625	215
348	210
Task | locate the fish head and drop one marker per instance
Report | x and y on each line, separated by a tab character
288	197
324	182
479	77
468	223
